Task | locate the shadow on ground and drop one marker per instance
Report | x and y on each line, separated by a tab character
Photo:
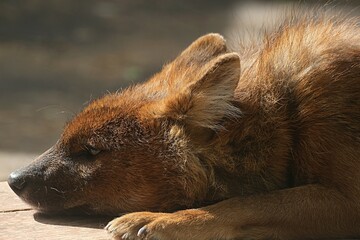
98	222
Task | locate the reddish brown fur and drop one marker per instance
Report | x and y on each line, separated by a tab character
274	155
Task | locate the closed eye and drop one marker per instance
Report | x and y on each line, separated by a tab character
92	150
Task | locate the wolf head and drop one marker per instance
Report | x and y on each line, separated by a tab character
142	148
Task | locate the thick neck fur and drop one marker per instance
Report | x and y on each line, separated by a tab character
276	93
255	150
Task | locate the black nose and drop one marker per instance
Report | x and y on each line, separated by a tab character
17	181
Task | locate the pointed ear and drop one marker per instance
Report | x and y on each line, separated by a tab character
202	50
204	101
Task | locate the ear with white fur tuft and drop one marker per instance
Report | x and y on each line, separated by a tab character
203	50
206	100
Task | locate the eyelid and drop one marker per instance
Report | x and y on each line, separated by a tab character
92	150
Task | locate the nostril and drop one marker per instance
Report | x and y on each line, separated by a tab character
16	181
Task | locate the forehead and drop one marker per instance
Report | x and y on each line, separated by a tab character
126	110
102	115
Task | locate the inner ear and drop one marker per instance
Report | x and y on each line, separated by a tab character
207	99
200	135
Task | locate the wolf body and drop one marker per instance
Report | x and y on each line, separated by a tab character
258	144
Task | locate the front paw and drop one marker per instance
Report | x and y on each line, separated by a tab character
188	224
133	226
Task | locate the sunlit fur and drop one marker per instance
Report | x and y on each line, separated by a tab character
268	150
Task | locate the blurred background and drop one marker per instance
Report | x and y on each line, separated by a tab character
57	55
